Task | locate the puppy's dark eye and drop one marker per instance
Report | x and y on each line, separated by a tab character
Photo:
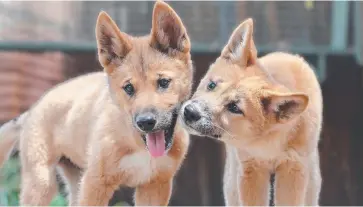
233	108
129	89
212	85
163	83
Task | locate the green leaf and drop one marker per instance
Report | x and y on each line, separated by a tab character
58	201
309	4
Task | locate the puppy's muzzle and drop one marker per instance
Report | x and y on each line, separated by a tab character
191	113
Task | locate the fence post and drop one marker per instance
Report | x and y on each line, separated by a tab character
339	27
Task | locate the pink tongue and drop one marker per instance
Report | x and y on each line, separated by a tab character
156	143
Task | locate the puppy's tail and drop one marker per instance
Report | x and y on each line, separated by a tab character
9	137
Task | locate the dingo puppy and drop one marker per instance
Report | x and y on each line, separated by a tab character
119	126
268	112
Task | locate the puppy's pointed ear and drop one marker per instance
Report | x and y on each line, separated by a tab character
112	44
283	107
240	48
168	32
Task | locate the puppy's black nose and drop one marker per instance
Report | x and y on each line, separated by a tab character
191	113
146	122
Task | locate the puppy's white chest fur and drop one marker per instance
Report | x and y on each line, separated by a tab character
140	167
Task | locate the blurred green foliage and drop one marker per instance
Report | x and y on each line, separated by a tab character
10	185
309	4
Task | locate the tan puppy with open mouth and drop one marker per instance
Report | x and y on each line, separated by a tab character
119	127
268	112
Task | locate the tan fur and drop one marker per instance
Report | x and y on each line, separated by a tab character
89	119
277	129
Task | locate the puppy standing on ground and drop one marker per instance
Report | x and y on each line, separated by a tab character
268	112
120	127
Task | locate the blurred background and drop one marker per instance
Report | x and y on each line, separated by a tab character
44	43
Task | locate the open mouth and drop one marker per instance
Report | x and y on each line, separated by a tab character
160	141
202	131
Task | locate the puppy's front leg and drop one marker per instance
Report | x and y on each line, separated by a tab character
232	173
102	176
255	182
291	183
314	183
96	189
154	193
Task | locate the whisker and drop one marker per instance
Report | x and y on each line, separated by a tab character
219	127
230	135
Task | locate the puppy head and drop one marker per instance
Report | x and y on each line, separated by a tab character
149	77
237	101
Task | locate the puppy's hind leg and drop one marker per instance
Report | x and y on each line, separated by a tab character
72	176
38	184
38	159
